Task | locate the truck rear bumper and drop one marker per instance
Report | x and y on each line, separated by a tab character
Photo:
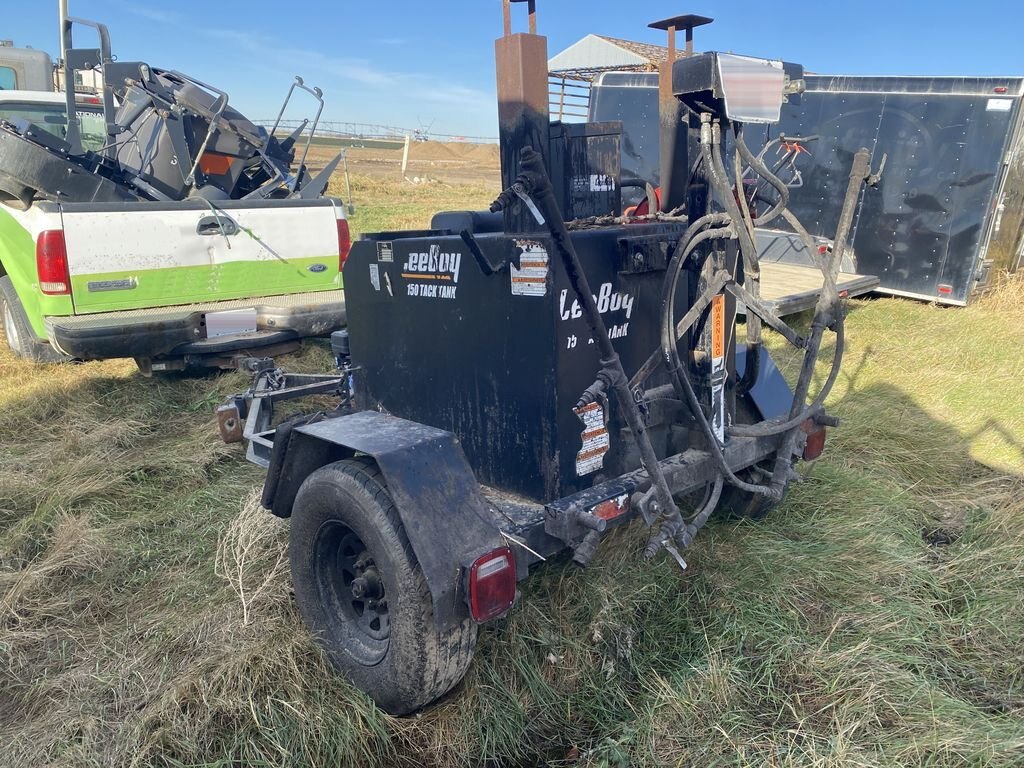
180	330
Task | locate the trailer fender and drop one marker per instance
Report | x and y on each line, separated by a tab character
447	520
770	393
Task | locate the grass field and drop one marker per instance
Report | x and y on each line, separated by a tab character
876	618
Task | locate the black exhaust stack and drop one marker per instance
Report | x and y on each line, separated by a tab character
675	165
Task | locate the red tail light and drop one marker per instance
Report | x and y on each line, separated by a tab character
344	242
492	584
52	263
612	508
815	440
945	288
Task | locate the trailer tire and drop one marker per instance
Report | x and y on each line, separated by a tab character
19	334
401	660
738	503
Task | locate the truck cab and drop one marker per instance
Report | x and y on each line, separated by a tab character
24	69
48	111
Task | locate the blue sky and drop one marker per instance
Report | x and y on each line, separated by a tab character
413	62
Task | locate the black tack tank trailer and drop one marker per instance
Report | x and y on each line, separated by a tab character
518	382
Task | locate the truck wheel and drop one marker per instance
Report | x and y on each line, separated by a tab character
20	337
362	594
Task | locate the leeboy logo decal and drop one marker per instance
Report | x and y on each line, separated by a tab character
317	267
432	275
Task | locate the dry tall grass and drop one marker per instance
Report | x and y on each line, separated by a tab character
875	619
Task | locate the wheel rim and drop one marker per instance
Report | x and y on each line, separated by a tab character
11	329
351	589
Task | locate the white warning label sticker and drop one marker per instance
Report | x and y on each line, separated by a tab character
595	439
375	277
602	182
531	278
999	105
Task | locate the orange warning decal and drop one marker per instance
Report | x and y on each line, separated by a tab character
718	326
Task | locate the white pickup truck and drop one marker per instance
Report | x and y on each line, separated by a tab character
172	284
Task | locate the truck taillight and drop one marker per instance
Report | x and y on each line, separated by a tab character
492	584
815	440
344	242
52	263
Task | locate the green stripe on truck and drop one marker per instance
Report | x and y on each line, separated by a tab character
171	286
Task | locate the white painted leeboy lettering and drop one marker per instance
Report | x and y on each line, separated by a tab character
433	264
606	299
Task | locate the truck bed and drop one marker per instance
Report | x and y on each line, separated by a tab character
791	288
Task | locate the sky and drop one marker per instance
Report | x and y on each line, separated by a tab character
419	64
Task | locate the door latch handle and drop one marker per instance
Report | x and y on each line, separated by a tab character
217	225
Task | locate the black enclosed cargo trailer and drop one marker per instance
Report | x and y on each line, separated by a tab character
949	210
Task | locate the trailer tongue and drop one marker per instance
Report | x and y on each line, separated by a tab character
519	382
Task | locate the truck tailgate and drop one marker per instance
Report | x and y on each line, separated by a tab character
135	255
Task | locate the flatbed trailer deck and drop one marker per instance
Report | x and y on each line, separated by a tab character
792	288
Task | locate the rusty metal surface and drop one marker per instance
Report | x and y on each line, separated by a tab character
523	116
229	423
531	9
674	132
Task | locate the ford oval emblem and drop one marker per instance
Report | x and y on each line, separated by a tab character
317	267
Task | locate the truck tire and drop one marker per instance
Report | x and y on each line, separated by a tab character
345	529
20	337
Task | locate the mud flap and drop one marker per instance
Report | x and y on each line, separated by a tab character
445	516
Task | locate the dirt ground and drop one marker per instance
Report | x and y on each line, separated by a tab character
452	163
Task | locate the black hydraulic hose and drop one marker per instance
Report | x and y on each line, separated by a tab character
677	373
762	170
720	183
689	531
828	304
707	220
701	518
753	357
830	271
669	330
534	178
768	428
751	267
774	428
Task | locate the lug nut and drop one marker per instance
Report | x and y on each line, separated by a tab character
359	587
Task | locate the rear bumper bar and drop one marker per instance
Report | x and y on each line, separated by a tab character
180	330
